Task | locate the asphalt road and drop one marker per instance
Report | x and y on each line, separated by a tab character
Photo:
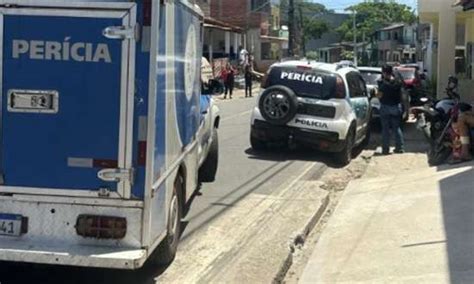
241	173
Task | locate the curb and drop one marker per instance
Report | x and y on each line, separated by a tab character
302	234
299	239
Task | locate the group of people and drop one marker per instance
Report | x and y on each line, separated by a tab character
229	73
391	111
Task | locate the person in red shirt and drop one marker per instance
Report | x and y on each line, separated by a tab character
228	76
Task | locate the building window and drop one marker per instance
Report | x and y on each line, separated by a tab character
395	36
266	51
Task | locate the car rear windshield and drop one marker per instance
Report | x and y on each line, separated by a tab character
407	74
304	81
371	77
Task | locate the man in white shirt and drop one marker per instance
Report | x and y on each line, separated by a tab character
243	56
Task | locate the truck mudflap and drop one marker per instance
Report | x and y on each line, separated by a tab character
84	256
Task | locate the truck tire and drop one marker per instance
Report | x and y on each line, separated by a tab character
278	105
208	170
166	250
344	157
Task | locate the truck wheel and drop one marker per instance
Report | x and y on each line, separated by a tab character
344	157
208	170
166	250
278	105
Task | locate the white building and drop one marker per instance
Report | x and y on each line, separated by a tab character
447	43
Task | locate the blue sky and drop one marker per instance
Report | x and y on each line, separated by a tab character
340	5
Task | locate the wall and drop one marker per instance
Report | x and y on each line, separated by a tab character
443	16
235	12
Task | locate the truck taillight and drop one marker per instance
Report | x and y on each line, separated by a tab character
340	88
101	227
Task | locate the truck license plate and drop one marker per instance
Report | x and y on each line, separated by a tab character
11	225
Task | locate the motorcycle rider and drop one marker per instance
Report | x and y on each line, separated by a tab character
390	95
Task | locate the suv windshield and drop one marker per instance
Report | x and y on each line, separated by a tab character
305	82
371	77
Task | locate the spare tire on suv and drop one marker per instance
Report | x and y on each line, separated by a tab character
278	105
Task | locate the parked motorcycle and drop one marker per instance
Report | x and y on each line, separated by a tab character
436	118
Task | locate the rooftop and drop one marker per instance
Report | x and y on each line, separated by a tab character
392	27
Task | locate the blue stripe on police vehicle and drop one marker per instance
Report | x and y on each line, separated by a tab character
160	119
187	39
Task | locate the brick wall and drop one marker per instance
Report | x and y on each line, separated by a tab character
205	6
235	12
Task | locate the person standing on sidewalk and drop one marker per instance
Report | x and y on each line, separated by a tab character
248	72
228	76
248	81
390	93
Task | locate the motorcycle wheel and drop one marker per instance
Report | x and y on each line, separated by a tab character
437	155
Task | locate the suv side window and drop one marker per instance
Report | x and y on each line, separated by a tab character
362	86
356	85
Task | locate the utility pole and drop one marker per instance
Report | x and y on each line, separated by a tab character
355	37
302	31
291	28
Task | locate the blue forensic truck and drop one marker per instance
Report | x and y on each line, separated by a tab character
104	134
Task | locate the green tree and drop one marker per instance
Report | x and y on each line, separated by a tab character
309	8
347	55
312	55
308	25
371	16
312	29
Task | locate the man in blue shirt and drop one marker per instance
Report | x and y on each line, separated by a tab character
390	95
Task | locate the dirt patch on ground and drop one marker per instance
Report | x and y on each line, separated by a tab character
337	179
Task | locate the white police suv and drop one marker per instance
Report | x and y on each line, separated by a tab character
318	104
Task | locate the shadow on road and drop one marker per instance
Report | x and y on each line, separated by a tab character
19	273
301	153
457	197
225	203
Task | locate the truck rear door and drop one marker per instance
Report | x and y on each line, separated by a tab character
67	98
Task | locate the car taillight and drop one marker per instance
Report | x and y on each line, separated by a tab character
340	88
101	227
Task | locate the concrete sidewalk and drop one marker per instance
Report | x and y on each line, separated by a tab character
402	222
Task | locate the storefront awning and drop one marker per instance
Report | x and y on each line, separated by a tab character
220	25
